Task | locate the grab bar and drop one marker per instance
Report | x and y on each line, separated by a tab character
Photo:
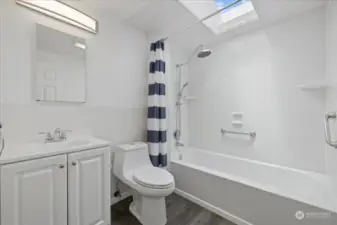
329	116
251	134
2	140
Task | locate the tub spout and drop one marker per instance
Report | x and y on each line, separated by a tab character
179	144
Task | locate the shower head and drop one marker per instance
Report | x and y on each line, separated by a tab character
204	53
201	52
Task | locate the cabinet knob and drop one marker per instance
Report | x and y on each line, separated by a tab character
73	163
61	166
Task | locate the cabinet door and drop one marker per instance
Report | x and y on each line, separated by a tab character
34	192
89	187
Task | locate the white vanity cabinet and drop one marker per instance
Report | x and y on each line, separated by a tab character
89	187
67	189
34	192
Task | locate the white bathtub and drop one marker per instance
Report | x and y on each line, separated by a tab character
251	192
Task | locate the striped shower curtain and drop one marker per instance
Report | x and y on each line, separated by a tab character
156	122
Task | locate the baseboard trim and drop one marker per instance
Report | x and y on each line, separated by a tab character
212	208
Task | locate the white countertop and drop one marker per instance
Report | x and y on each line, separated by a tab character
15	152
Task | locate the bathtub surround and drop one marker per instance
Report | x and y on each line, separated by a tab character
156	122
108	74
331	75
253	193
257	74
284	171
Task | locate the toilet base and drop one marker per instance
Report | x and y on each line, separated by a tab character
149	210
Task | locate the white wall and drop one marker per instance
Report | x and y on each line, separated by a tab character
116	77
331	95
117	65
257	74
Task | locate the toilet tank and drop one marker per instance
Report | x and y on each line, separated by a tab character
129	157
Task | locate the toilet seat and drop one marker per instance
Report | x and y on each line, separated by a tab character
153	177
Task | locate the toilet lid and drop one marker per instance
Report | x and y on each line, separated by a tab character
153	177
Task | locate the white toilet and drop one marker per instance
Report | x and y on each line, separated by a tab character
151	185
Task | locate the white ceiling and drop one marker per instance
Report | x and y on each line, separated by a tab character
159	18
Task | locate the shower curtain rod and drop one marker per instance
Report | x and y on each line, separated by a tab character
202	20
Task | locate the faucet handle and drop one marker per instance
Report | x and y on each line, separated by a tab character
63	134
48	135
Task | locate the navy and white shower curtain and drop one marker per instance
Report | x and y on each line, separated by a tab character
156	122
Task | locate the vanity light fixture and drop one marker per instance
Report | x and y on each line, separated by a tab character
60	11
80	45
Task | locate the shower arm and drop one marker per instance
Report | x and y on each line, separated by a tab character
191	57
183	64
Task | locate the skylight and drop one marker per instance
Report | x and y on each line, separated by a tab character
237	15
222	3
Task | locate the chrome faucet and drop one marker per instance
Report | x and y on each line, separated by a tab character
57	135
179	144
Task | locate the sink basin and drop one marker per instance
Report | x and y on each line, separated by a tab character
66	144
22	151
78	143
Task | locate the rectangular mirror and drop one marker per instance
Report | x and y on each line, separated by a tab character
60	66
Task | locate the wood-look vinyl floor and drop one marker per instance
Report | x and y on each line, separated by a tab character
179	212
